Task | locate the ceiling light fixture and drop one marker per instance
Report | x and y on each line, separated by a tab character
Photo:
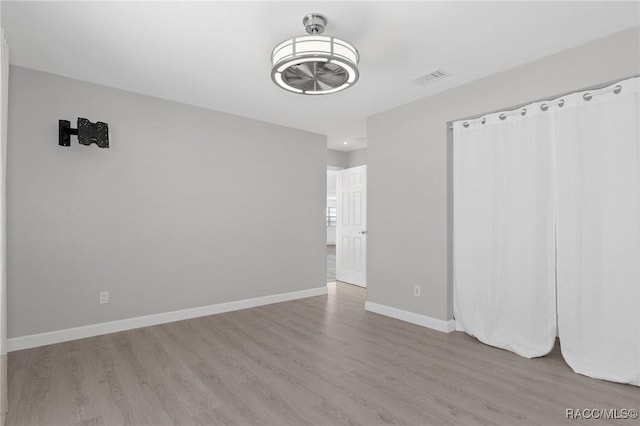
314	64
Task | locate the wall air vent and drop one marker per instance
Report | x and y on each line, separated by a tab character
430	78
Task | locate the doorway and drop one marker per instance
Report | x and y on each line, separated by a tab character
331	222
346	223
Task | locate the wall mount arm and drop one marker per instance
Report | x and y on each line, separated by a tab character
86	131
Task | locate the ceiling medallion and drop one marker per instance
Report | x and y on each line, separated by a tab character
314	64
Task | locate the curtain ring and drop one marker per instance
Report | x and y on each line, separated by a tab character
502	116
561	103
587	96
617	89
465	124
484	120
544	107
524	112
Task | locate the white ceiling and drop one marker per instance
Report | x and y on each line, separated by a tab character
217	54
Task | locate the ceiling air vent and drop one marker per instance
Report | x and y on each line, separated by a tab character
431	77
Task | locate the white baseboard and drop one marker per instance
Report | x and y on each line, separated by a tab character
413	318
51	337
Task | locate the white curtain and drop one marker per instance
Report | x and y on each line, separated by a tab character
504	279
551	200
599	232
4	90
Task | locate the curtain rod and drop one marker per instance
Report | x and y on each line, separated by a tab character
590	93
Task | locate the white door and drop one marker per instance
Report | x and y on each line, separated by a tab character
351	230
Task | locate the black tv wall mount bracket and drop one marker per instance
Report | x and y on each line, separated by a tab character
86	131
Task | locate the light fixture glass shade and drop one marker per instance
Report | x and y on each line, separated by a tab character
314	65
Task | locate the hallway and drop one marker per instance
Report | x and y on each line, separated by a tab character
331	263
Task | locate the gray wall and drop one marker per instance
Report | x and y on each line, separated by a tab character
408	198
346	159
188	207
357	157
337	158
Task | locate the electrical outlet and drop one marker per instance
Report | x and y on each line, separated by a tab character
104	297
416	290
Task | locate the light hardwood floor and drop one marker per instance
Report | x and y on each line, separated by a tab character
317	361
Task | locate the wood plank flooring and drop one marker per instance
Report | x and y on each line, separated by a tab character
317	361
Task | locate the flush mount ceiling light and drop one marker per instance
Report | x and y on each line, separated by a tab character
314	64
